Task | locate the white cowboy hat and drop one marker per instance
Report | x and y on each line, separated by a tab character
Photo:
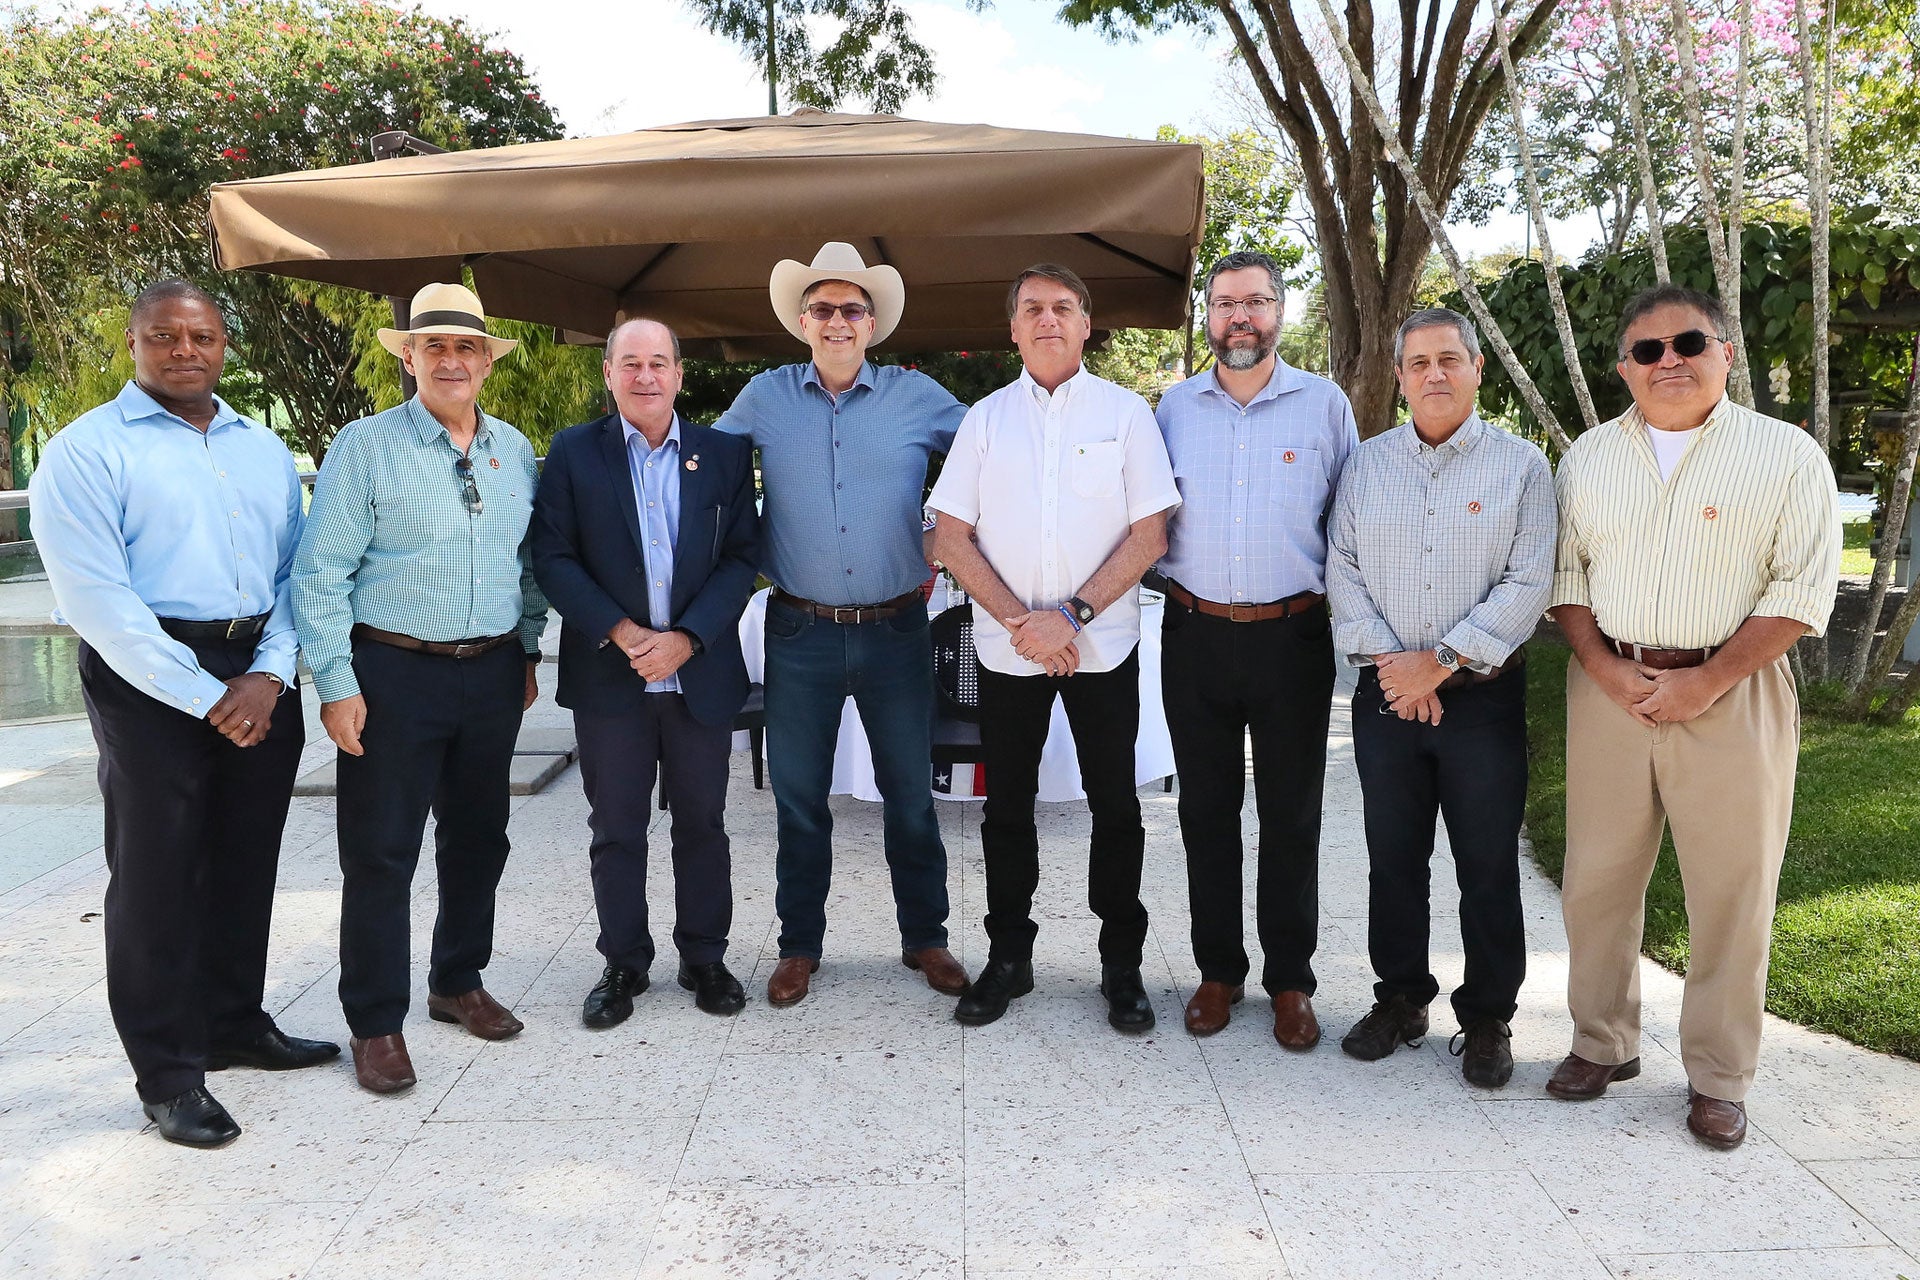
837	261
446	308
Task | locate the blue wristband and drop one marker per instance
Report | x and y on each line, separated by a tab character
1068	615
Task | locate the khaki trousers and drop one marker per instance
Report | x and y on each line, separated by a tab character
1724	782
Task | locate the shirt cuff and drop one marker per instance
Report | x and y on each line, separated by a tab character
199	697
1569	587
335	680
1797	601
1165	501
1363	638
1480	649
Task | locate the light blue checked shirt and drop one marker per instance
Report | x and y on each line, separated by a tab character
390	542
844	477
1255	484
656	495
1452	545
140	516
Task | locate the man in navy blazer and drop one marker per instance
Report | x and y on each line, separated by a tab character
645	538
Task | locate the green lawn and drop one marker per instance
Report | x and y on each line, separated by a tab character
1846	938
1855	554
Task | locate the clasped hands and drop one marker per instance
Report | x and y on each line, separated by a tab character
1045	637
653	655
1657	697
246	709
1410	682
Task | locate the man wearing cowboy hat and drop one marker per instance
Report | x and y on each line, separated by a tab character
844	447
419	617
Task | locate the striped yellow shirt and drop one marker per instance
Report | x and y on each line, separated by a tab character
1748	524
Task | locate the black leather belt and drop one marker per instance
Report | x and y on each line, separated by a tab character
852	614
438	648
190	629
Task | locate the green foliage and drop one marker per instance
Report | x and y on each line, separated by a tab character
1873	264
1876	145
873	53
119	120
1846	935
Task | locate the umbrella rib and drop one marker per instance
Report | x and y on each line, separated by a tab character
1134	258
647	267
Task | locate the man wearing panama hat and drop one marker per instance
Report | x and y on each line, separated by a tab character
418	614
844	447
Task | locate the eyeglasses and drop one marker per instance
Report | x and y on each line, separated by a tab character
463	468
1258	307
1685	345
854	312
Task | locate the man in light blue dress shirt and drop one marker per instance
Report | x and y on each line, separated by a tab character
844	447
414	595
167	523
1257	448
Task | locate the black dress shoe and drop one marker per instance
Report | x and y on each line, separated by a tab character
1128	1008
610	1003
714	989
192	1119
272	1050
998	985
1388	1025
1485	1049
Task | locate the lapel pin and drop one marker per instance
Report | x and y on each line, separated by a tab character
1711	513
1473	508
1287	456
495	462
693	463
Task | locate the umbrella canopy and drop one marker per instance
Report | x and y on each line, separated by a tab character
684	223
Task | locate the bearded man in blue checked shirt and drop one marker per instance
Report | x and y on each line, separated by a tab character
421	622
1441	558
1257	447
844	446
167	523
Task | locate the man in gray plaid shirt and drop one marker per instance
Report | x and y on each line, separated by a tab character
1439	564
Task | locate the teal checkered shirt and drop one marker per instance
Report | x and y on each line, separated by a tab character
390	542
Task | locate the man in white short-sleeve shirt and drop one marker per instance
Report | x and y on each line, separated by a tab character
1053	502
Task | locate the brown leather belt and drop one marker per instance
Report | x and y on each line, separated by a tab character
1293	604
1466	676
440	649
852	614
1659	659
190	629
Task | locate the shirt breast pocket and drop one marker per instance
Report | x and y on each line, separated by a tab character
1097	468
1296	476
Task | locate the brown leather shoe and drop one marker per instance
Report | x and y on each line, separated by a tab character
1209	1010
788	985
1577	1080
1294	1025
478	1012
381	1064
1716	1122
943	972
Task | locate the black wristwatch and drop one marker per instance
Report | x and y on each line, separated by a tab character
1081	610
534	657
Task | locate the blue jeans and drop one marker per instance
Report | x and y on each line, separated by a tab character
886	667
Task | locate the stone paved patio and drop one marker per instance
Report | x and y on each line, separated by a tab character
863	1133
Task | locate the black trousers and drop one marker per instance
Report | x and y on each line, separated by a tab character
619	757
439	737
193	828
1470	768
1223	682
1103	711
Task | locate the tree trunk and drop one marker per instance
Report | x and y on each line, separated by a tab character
1870	666
1642	148
1820	207
9	520
1363	90
1726	257
1556	296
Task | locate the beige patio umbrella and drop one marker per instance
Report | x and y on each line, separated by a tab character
683	223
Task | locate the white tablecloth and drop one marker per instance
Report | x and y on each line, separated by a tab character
1059	769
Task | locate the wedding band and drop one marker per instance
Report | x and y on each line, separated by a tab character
247	723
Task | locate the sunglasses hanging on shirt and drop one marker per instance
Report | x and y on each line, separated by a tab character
463	468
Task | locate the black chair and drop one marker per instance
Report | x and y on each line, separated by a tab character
956	690
751	719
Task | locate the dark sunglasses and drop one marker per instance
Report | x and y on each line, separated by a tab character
854	312
1686	345
463	468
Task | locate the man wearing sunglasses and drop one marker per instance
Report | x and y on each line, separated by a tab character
1441	556
1698	541
1247	651
167	523
421	622
844	447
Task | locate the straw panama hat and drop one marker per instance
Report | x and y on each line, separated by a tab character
446	308
837	261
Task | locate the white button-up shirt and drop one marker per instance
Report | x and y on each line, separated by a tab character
1052	484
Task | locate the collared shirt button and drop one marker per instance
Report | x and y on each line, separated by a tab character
149	675
662	584
236	515
240	555
196	702
1429	510
223	475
